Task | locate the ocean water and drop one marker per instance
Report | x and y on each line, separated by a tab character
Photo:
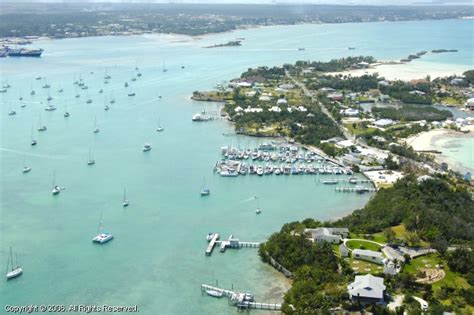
157	260
458	151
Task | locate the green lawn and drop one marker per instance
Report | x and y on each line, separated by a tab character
363	267
363	245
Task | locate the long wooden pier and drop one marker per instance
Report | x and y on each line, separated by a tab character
238	299
212	243
359	190
348	180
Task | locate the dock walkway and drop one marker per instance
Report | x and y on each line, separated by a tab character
238	299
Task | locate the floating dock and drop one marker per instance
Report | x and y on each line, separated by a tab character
359	190
238	299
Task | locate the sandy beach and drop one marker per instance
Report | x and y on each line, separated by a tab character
407	71
441	139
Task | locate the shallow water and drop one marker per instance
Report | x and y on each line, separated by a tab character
157	257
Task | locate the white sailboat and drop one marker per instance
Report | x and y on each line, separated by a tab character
33	140
91	160
96	129
125	202
66	113
112	99
204	190
15	271
102	236
56	189
26	168
41	127
258	210
164	67
159	128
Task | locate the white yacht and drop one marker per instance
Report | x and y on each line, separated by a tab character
15	271
146	147
26	169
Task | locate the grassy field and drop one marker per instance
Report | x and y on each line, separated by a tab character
358	129
364	267
363	245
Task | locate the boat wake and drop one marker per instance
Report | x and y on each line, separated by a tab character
44	156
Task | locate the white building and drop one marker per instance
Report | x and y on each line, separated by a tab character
331	235
368	255
367	289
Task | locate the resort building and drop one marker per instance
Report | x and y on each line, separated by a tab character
331	235
367	289
368	255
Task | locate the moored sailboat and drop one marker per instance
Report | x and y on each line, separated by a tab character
15	271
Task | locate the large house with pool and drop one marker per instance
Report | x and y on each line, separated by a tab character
330	235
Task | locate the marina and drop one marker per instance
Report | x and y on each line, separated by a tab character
278	158
163	184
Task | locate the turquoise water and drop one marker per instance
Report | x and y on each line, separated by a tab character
458	151
157	257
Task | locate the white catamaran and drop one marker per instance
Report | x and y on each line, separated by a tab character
102	236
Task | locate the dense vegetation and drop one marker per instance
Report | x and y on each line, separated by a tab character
405	92
265	72
407	112
462	260
339	82
308	127
317	285
435	209
335	64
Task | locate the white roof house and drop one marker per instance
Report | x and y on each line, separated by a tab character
383	122
238	109
368	255
350	112
275	109
282	101
331	235
367	288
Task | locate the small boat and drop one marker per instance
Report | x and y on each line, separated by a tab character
12	113
49	98
38	78
159	128
106	107
146	147
26	169
23	105
101	91
351	48
56	189
215	293
96	129
66	114
134	79
125	202
258	210
33	140
60	90
42	128
126	84
91	160
102	237
330	181
209	236
164	68
15	271
46	86
32	92
50	108
89	101
139	74
131	94
301	48
78	95
204	190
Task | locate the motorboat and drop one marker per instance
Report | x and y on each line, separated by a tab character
26	169
146	147
215	293
42	128
56	190
11	113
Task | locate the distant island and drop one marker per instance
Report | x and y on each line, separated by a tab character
437	51
228	44
74	19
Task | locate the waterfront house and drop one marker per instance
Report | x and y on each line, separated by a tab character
331	235
367	289
368	255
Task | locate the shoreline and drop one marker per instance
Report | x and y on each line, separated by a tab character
427	141
395	70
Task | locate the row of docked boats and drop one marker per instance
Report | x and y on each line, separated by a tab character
236	168
257	154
